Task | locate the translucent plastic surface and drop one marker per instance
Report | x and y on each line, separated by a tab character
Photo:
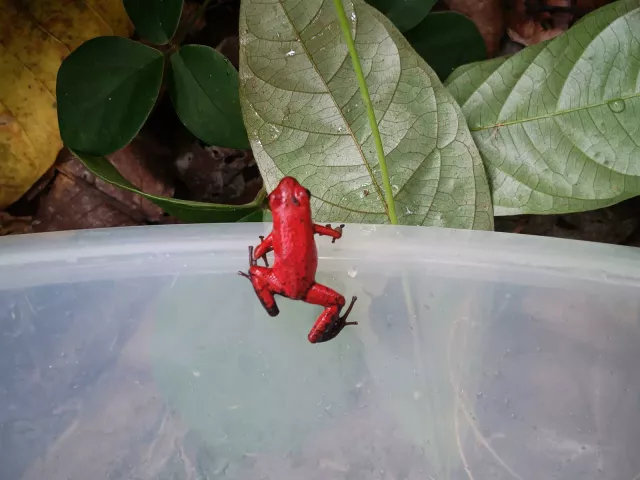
139	353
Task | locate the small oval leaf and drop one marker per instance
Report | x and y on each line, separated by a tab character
447	40
188	211
557	123
155	20
406	14
204	91
105	92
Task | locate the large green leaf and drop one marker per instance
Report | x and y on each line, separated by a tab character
155	20
558	123
192	212
306	118
105	91
204	91
447	40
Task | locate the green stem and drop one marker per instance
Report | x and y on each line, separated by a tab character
364	91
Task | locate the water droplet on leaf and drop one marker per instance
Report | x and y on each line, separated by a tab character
616	106
290	53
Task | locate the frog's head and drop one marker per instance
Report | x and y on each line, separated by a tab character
289	194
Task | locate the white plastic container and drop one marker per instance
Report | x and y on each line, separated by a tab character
139	353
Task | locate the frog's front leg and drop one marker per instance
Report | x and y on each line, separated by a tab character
329	324
265	246
328	230
264	282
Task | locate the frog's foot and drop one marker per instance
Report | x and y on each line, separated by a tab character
343	318
264	284
252	262
337	229
329	324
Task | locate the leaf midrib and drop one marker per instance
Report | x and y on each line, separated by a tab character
554	114
134	72
348	126
202	89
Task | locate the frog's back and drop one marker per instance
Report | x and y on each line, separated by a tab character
297	257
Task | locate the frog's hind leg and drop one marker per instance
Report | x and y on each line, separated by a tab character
265	284
329	324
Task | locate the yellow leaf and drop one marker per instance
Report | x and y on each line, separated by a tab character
35	36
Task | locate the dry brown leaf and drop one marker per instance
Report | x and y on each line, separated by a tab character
586	6
73	204
534	21
35	36
79	200
530	32
488	15
217	175
230	48
10	225
146	164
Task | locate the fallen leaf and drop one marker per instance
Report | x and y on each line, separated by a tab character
10	225
533	21
218	175
74	204
230	48
488	16
78	199
611	225
586	6
530	22
35	36
143	162
530	33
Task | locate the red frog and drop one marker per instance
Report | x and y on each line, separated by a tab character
293	274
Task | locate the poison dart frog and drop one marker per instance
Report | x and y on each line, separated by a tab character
296	260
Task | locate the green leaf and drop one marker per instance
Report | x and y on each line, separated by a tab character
447	40
557	123
305	118
405	14
155	20
105	92
192	212
204	91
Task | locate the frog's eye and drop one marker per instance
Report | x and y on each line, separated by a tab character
308	192
274	197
